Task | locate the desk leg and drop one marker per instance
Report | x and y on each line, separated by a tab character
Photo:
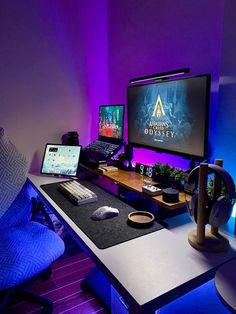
119	305
138	310
98	284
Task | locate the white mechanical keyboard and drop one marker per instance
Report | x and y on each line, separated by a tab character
77	193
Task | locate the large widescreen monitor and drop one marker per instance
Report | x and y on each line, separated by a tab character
170	115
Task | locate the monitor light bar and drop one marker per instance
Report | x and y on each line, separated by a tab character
159	75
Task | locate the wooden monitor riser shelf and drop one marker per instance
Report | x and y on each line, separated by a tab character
134	181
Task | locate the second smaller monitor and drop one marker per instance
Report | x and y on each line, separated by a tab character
111	122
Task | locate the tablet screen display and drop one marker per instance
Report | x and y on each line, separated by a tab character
61	159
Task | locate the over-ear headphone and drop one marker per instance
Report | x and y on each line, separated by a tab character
219	209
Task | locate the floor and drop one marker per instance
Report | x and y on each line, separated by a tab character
63	288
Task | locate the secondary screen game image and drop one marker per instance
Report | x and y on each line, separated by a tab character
111	121
169	115
61	160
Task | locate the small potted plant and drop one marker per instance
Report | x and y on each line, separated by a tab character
157	170
162	172
223	191
177	176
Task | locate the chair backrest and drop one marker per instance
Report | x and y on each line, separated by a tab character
13	172
20	210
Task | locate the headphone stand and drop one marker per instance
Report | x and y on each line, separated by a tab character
201	239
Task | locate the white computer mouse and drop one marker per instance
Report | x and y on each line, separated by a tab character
104	212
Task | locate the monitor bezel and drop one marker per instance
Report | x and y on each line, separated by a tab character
113	139
57	174
206	126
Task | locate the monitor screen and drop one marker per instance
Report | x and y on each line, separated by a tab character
170	116
60	160
111	121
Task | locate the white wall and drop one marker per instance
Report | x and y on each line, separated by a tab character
44	85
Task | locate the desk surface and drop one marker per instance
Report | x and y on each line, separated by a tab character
154	269
134	181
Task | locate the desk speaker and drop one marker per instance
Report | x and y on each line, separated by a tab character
129	152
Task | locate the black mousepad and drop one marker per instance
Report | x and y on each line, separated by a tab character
103	233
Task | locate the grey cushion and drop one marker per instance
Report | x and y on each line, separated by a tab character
20	210
13	172
25	251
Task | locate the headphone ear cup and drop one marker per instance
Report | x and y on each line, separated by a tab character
210	203
220	212
192	207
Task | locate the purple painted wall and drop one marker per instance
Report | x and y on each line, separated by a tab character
61	59
94	26
147	37
50	51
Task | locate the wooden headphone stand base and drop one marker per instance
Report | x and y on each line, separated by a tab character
211	243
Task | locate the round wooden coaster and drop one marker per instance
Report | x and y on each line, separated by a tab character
140	219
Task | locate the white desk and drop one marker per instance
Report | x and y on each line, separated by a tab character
152	270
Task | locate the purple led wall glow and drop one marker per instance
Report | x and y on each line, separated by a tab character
149	157
147	37
82	39
62	24
94	23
